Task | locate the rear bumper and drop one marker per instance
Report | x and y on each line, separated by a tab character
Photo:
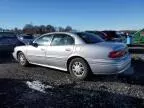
113	67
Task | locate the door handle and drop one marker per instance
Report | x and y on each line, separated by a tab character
67	49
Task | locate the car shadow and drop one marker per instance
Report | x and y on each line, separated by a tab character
6	58
15	93
136	79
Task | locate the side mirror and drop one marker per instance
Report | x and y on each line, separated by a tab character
35	44
30	43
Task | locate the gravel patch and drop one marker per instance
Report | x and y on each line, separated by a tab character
39	87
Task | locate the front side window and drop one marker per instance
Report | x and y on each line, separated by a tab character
44	40
62	39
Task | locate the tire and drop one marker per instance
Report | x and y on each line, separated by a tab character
142	57
79	69
22	59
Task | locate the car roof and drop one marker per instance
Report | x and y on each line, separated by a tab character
68	33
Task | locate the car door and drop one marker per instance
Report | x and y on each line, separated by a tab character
60	49
37	54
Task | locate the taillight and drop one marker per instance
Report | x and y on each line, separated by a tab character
117	54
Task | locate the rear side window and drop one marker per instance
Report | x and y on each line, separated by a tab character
62	39
89	38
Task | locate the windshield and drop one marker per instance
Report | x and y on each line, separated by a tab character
28	37
90	38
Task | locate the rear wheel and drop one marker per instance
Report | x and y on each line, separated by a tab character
79	69
22	59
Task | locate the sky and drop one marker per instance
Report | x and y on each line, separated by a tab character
80	14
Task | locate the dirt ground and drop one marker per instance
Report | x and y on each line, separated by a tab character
114	91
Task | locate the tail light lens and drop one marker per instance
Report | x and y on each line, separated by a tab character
117	54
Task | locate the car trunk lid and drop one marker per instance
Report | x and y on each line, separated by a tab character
118	50
113	45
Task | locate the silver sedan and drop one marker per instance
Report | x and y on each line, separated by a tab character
79	53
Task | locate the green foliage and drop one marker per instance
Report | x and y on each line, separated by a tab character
138	37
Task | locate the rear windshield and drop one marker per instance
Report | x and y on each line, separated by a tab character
90	38
101	34
7	34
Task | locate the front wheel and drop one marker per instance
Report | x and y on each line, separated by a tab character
79	69
22	59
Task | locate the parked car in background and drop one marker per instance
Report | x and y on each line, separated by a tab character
113	36
99	33
8	41
26	38
80	53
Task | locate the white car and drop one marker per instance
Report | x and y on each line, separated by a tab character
80	53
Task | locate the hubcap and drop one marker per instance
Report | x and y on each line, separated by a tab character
22	59
78	69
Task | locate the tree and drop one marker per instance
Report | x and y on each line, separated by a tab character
16	30
1	29
42	29
61	29
68	29
28	29
50	28
36	30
